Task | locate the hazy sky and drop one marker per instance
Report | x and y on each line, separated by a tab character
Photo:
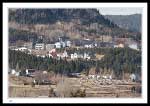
119	11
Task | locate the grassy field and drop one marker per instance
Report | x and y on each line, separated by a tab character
92	88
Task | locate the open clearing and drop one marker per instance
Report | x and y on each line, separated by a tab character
93	88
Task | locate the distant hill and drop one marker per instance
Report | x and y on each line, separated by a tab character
130	22
73	23
44	16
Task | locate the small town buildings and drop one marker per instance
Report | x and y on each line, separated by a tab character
29	72
52	53
74	56
23	49
17	73
63	44
88	46
58	45
40	46
133	77
50	46
14	72
77	55
68	43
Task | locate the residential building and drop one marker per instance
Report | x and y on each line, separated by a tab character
74	56
63	44
68	43
58	45
40	46
50	46
52	53
88	45
23	49
133	77
13	71
29	72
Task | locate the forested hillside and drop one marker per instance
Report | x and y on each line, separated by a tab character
117	60
73	23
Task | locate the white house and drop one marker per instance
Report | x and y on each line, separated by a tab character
133	77
74	56
95	44
88	46
68	43
63	44
40	46
21	49
58	45
17	73
13	71
30	71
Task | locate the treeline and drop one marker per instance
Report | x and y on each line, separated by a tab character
58	66
122	61
118	60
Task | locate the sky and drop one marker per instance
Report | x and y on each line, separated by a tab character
119	11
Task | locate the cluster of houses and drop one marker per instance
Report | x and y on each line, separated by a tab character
85	43
53	53
43	50
28	46
83	56
27	72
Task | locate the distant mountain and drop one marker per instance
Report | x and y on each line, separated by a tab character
130	22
